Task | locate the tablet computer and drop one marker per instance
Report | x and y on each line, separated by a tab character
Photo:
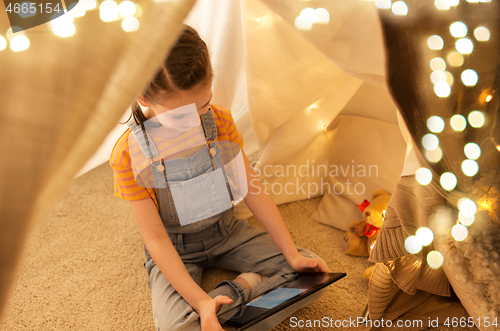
277	304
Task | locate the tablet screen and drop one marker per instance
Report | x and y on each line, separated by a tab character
274	300
275	297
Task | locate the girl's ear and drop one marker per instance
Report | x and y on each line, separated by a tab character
142	100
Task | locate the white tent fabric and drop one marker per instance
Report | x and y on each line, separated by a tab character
296	90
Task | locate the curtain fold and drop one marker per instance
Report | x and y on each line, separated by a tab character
295	91
60	98
399	279
298	84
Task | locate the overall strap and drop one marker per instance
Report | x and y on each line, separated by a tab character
159	172
143	138
210	129
209	125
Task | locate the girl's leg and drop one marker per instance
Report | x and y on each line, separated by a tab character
251	249
170	311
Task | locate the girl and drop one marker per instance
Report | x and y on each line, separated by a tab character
176	253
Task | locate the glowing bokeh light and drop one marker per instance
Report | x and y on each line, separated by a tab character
488	98
309	15
469	77
466	220
423	176
458	29
425	236
455	59
302	24
63	26
476	119
441	4
3	43
458	123
413	245
61	21
470	167
435	42
108	10
126	8
442	89
130	24
435	155
383	4
448	181
438	76
438	63
323	16
459	232
399	8
464	46
452	2
472	151
435	259
19	43
467	207
442	76
88	4
65	31
430	141
77	9
435	124
482	34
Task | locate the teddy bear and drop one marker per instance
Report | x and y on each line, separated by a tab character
361	236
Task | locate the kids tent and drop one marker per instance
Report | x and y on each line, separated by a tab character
312	104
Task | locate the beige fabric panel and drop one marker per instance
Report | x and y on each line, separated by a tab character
290	106
59	100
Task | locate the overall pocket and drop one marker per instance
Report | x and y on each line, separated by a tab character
201	197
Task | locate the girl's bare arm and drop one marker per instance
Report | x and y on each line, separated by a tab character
263	207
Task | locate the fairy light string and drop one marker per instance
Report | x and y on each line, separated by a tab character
467	234
127	12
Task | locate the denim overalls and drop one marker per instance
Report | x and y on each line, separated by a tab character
217	241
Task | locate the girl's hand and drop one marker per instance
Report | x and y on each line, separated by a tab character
208	312
301	263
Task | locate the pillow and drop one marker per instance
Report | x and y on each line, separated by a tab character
363	155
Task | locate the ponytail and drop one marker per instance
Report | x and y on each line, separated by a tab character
137	114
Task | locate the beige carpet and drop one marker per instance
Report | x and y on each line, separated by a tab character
82	268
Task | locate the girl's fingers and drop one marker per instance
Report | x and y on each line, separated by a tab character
324	268
222	299
320	266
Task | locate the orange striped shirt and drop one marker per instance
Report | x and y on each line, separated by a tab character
124	180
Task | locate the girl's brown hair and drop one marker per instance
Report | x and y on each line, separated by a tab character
186	66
